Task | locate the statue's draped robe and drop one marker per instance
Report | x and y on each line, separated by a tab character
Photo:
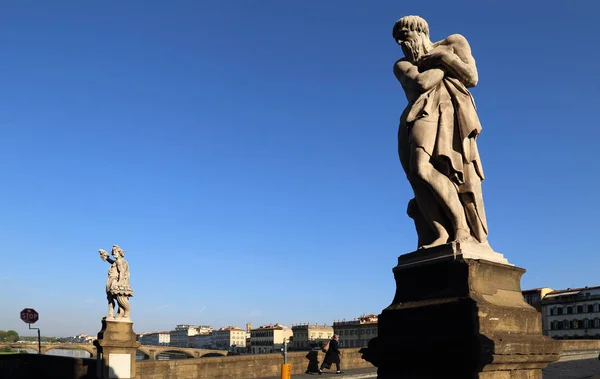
121	287
455	151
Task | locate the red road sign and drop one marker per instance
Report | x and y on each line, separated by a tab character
29	315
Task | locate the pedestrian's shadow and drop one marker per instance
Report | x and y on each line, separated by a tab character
313	362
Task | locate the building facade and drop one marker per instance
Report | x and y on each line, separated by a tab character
307	336
180	337
356	333
573	313
269	338
81	338
202	340
155	338
230	338
535	296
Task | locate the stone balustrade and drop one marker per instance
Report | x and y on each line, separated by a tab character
243	366
16	366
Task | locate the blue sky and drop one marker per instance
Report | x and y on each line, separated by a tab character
243	154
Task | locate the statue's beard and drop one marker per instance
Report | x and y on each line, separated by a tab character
413	49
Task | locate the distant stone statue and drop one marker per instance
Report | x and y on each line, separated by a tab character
437	134
117	284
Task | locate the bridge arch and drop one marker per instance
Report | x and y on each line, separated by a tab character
82	347
16	345
53	346
176	350
150	352
213	354
144	352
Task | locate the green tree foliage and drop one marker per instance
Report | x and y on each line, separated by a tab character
12	336
2	335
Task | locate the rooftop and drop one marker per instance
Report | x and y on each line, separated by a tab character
231	328
574	290
271	327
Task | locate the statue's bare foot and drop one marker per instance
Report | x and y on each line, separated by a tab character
463	235
441	240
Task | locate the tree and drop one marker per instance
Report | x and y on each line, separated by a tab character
2	335
12	336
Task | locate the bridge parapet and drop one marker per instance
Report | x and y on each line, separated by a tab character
51	346
151	351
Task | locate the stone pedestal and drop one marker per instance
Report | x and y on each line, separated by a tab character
458	317
117	347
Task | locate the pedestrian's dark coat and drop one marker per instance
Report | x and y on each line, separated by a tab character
333	354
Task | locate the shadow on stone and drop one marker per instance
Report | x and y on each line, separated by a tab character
313	362
467	318
35	366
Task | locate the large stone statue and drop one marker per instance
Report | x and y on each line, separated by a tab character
456	299
437	133
117	284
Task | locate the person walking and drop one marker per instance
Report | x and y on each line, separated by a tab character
332	356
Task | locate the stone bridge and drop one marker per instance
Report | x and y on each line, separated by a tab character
50	346
149	351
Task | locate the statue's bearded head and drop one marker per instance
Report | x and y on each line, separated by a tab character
412	34
117	251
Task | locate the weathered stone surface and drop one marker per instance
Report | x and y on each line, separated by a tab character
117	285
38	366
243	366
116	337
458	304
437	135
468	316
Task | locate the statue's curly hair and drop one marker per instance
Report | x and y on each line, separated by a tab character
119	250
413	23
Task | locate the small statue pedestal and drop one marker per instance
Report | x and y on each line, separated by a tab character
458	315
117	346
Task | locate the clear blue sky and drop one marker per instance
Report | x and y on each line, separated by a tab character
243	153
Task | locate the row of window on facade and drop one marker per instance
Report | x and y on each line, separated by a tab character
557	311
261	351
261	343
358	332
268	333
314	335
575	324
354	343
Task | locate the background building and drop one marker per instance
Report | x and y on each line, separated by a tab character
81	338
308	336
230	338
155	338
269	338
573	313
248	329
358	332
181	335
202	340
535	296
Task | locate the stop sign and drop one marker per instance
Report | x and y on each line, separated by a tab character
29	315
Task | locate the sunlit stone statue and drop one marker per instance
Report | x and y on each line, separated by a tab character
117	284
437	136
456	299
